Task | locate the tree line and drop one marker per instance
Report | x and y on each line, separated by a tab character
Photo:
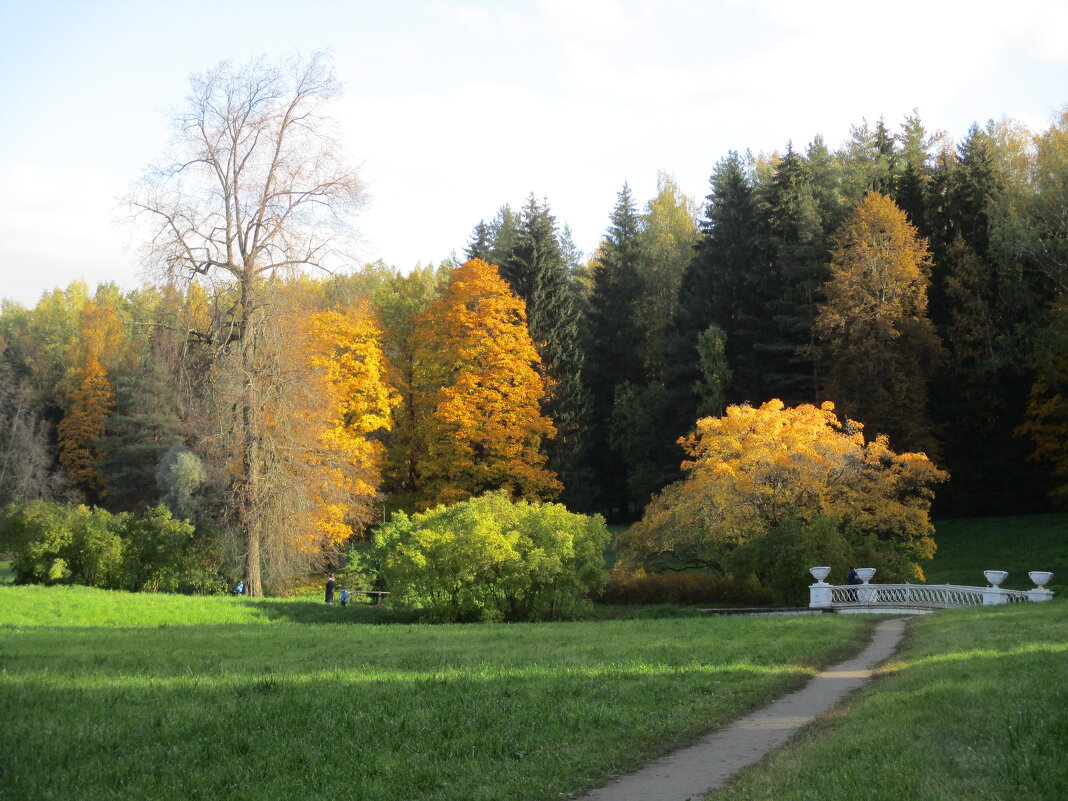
284	402
916	282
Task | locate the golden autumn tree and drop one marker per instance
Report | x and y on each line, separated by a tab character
349	377
91	401
91	396
754	469
481	426
874	325
320	435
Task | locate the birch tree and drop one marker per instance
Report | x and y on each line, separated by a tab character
255	185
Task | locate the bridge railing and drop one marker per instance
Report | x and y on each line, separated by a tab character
927	596
920	597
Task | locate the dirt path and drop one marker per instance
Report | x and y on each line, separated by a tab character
707	765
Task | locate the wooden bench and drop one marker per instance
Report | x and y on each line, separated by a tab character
376	596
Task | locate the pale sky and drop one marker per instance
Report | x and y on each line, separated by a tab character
455	108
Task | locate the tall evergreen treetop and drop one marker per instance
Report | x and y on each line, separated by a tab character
613	330
478	247
532	262
797	249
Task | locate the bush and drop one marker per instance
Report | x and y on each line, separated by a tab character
52	543
638	587
781	558
490	558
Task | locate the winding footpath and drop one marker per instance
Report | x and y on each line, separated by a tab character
707	765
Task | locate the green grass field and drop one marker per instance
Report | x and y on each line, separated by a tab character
974	707
1017	544
112	695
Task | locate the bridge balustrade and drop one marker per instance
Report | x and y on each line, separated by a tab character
919	598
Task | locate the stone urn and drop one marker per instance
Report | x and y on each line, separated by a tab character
819	573
995	577
1040	593
865	574
1040	577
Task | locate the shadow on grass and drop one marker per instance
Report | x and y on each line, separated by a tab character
309	611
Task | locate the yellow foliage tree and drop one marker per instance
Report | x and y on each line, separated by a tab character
481	425
755	468
91	401
874	324
355	404
320	439
97	349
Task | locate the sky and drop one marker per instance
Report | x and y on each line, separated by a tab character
452	109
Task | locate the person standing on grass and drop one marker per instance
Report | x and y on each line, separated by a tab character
344	596
330	590
240	588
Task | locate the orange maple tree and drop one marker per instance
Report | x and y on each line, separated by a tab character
481	425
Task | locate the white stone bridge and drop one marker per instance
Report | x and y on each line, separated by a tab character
918	598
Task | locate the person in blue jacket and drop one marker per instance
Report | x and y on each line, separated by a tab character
344	596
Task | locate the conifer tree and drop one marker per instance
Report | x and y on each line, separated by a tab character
825	173
910	184
479	245
797	253
143	428
722	285
612	360
502	235
868	162
538	274
990	311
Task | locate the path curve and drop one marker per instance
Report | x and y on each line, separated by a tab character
708	764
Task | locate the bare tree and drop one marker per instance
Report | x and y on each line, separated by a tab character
255	186
25	454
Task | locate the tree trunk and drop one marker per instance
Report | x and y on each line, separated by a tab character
248	491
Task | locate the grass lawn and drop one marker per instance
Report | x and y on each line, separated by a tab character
1017	544
973	708
111	695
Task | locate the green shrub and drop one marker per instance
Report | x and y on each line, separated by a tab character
35	534
52	543
490	558
625	587
781	558
162	553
